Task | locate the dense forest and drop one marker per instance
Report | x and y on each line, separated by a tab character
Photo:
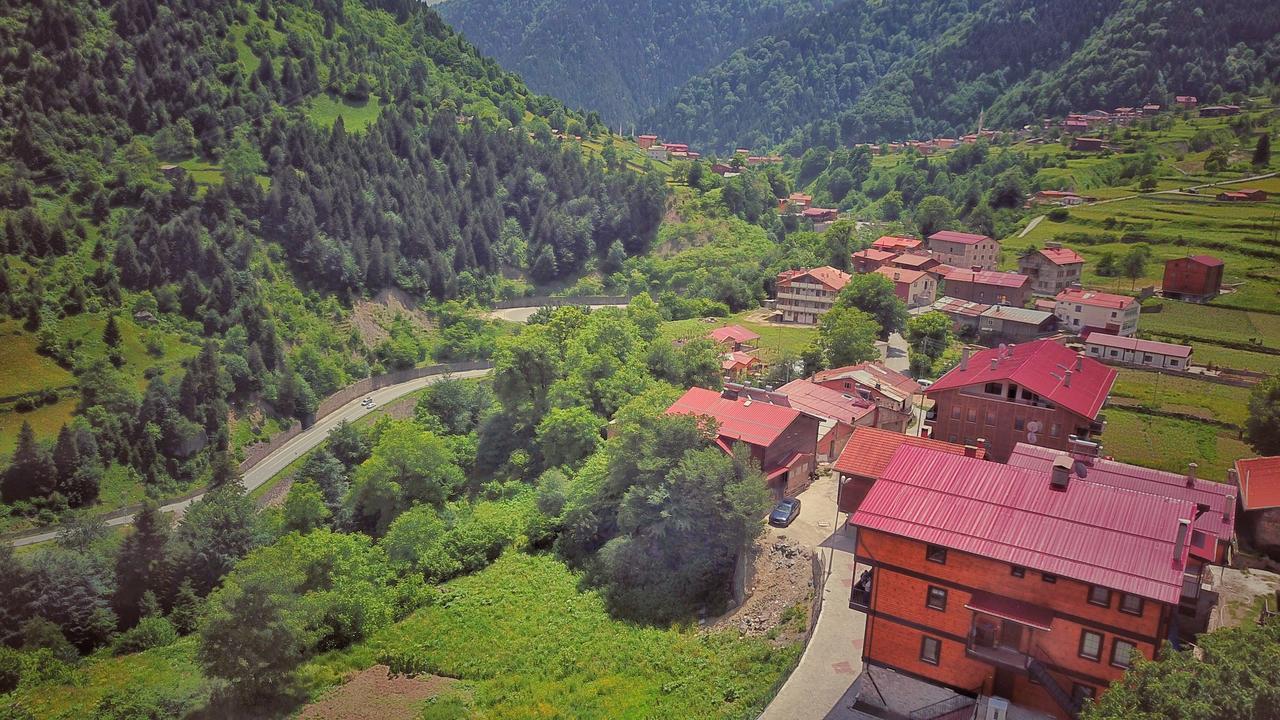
167	174
867	72
621	59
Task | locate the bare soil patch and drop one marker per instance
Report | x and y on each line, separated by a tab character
370	317
374	695
781	578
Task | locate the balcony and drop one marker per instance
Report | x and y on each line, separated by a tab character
984	644
860	594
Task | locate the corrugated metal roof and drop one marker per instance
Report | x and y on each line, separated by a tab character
1098	299
1259	480
1131	343
1093	533
757	423
1061	256
869	450
732	333
956	306
1039	366
958	237
987	277
872	375
825	402
825	275
1017	314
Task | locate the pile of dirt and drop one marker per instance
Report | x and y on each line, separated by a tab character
780	579
374	695
370	317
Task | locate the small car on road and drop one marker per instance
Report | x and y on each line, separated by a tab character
785	512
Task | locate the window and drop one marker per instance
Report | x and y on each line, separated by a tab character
936	599
935	553
1090	645
1114	352
1049	577
1122	652
1099	596
1131	604
955	412
1018	571
1054	430
991	417
1019	423
1173	362
1080	693
930	650
973	415
992	388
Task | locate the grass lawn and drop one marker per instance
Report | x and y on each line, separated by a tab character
776	341
1169	444
1205	353
325	109
24	370
1176	393
1210	323
525	641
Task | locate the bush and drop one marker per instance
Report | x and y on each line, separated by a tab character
10	669
1058	215
42	667
138	703
150	632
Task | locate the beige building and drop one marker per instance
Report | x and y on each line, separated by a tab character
1052	270
965	250
804	296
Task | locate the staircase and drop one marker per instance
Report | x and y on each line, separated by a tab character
1041	674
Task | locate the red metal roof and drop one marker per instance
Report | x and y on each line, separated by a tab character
1208	260
757	423
1010	609
875	254
897	242
826	275
1131	343
958	237
902	275
1039	366
870	449
956	306
913	260
987	277
1259	480
826	403
1215	501
1098	299
1094	533
732	333
1061	256
873	375
737	360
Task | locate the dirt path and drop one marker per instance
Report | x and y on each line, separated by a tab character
374	695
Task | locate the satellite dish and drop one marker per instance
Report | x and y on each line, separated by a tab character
1031	438
1081	469
1033	426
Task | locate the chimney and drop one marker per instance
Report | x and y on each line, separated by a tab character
1233	477
1009	350
982	444
994	363
976	268
964	358
1191	474
1052	245
731	391
1079	361
971	451
1066	379
1180	543
1060	476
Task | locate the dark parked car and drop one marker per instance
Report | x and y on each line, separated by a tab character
784	512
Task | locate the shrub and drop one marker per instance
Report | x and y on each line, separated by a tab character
10	669
42	667
1058	215
150	632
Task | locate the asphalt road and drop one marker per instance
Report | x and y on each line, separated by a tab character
290	451
523	314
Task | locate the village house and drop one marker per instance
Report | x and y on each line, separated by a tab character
820	217
1052	268
1038	392
1259	482
887	388
1243	195
1210	111
1140	353
764	160
781	440
923	263
1196	278
1046	606
898	244
1186	101
804	296
870	259
988	286
965	250
735	337
723	170
838	413
656	152
1088	144
964	314
646	141
796	202
1081	310
868	453
914	287
1150	109
1010	324
1058	197
736	365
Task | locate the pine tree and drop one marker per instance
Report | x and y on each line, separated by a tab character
31	473
66	456
1262	153
111	333
185	614
143	564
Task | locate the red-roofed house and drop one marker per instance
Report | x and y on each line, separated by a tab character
782	440
965	250
1197	278
735	337
868	453
1080	310
838	412
1142	353
804	296
795	202
1259	483
887	388
988	286
821	216
1186	101
897	243
1038	392
925	263
1088	144
646	141
870	259
916	288
1052	269
737	365
1038	587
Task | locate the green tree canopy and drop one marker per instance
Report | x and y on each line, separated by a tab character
847	336
874	294
1262	427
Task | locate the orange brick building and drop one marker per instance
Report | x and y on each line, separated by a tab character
995	580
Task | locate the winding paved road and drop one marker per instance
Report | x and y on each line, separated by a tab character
290	451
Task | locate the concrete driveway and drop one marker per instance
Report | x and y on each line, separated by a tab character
833	658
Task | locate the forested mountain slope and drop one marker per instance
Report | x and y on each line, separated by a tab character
619	58
179	175
932	71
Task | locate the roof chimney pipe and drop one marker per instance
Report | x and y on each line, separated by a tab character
995	362
1191	474
1181	543
1066	379
964	358
1060	476
971	451
1079	361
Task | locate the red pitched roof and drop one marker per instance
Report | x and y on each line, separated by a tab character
896	242
1040	366
1061	256
902	275
826	275
1259	480
1091	532
870	449
956	306
734	360
1099	299
987	277
1216	500
757	423
875	254
1131	343
958	237
873	374
826	403
1206	260
732	333
913	260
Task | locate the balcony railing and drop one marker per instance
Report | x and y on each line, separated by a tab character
1004	657
860	595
